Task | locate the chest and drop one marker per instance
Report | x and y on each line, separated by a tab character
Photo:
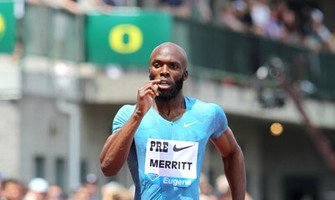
191	127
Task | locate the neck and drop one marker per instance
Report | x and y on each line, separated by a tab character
172	109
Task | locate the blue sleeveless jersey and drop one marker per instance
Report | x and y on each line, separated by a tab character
165	158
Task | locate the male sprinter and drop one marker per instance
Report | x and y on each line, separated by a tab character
164	135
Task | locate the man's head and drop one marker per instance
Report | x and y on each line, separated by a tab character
38	187
91	184
168	63
54	192
12	190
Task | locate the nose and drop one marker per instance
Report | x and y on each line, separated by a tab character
164	70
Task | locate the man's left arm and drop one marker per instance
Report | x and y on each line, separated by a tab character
233	161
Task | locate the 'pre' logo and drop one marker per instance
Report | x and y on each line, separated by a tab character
125	38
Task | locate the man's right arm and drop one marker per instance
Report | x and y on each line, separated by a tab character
117	145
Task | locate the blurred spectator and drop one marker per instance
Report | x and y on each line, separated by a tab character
260	15
187	8
282	24
279	23
278	12
79	7
201	10
37	189
274	27
205	189
91	184
320	35
55	193
223	189
131	191
237	16
106	6
12	190
178	8
290	34
113	2
115	191
71	6
81	194
221	184
33	1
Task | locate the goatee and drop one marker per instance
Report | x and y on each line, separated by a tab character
166	95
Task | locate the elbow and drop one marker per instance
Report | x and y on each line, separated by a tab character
107	172
107	169
235	154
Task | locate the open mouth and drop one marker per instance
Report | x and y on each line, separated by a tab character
164	85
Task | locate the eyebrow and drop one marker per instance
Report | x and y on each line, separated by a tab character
170	62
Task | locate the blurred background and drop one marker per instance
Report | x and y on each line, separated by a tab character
66	67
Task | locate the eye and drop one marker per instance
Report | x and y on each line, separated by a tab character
156	65
174	66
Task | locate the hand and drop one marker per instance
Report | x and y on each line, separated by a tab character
146	96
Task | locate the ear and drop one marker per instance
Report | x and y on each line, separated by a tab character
185	75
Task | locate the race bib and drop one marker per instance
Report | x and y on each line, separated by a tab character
170	162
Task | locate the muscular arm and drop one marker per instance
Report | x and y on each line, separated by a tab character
233	160
117	145
116	148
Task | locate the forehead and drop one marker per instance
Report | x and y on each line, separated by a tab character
167	53
12	184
